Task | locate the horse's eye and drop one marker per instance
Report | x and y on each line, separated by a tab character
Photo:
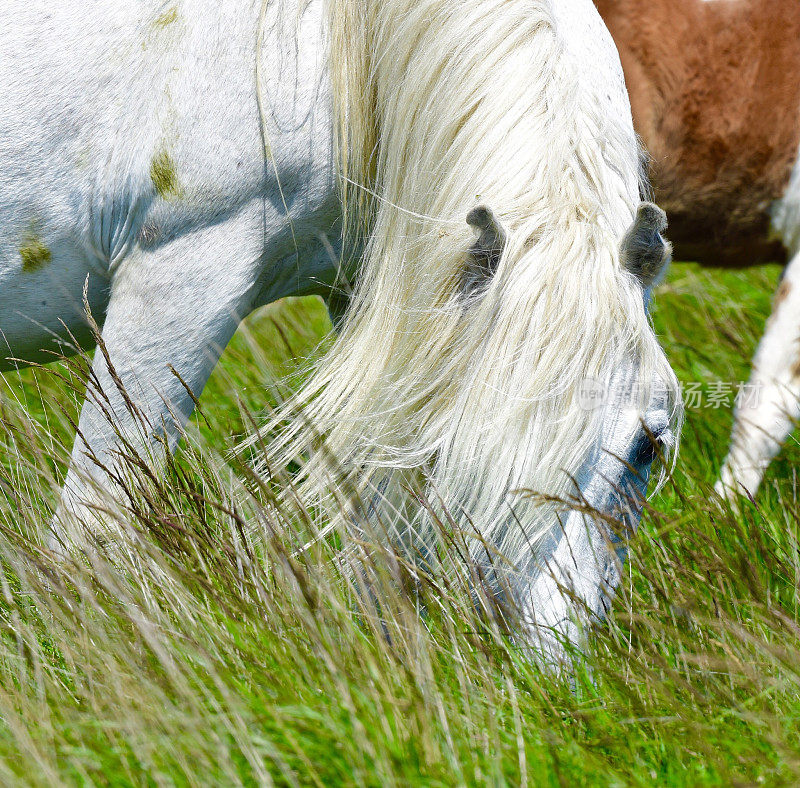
648	448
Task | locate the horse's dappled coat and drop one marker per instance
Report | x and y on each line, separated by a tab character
459	365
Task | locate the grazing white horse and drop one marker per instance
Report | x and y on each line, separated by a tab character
183	159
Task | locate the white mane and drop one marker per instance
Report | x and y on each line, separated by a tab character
443	106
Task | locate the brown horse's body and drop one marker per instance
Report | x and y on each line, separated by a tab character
715	93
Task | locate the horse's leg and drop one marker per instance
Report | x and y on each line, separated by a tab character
171	308
766	415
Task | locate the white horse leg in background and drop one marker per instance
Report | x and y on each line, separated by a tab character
764	420
132	157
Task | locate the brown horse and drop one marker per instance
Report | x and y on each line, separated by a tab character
715	93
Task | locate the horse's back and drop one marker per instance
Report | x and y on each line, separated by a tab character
715	93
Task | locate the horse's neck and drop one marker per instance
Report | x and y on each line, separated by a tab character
295	107
589	42
593	51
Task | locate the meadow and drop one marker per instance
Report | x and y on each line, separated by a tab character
213	654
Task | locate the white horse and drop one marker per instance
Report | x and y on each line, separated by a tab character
181	161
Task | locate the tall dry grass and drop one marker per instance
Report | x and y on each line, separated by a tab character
204	648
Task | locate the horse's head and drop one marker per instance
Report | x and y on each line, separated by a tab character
578	564
501	368
627	414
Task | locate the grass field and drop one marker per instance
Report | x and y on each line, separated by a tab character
216	658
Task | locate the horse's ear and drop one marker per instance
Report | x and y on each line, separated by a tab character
484	255
645	253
